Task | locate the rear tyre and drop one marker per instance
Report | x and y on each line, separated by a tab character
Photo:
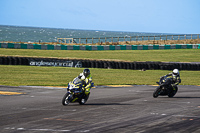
156	92
84	99
173	93
66	99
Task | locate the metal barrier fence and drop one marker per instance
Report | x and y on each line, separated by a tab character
101	40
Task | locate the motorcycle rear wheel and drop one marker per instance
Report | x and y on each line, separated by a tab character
66	100
82	101
173	93
156	92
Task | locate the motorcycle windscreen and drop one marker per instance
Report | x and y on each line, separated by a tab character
77	81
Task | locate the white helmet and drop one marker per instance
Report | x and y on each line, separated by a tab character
175	72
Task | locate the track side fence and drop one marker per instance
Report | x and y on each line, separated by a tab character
128	39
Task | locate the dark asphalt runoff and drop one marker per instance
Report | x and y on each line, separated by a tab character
122	109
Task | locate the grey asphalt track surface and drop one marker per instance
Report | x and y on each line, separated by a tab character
109	109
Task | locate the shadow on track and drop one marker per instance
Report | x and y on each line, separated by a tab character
101	104
179	97
186	97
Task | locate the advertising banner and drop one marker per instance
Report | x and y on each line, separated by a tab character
58	63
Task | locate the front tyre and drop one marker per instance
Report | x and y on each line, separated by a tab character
156	92
66	99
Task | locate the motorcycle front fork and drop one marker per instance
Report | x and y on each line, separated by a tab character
70	96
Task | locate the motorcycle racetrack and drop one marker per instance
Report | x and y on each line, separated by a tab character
118	109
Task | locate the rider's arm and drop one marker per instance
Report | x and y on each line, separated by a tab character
169	74
177	80
89	81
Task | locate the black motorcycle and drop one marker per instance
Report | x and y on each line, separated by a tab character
165	88
75	93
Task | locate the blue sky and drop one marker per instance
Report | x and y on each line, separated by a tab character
154	16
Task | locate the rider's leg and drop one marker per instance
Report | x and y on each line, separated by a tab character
87	93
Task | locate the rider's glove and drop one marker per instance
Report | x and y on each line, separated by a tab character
162	77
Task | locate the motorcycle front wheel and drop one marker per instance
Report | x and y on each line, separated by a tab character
66	99
156	92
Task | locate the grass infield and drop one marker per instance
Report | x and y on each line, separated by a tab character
174	55
60	76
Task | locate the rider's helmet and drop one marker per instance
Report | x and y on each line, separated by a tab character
175	72
86	72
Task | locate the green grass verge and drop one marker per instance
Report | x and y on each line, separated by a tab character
60	76
174	55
